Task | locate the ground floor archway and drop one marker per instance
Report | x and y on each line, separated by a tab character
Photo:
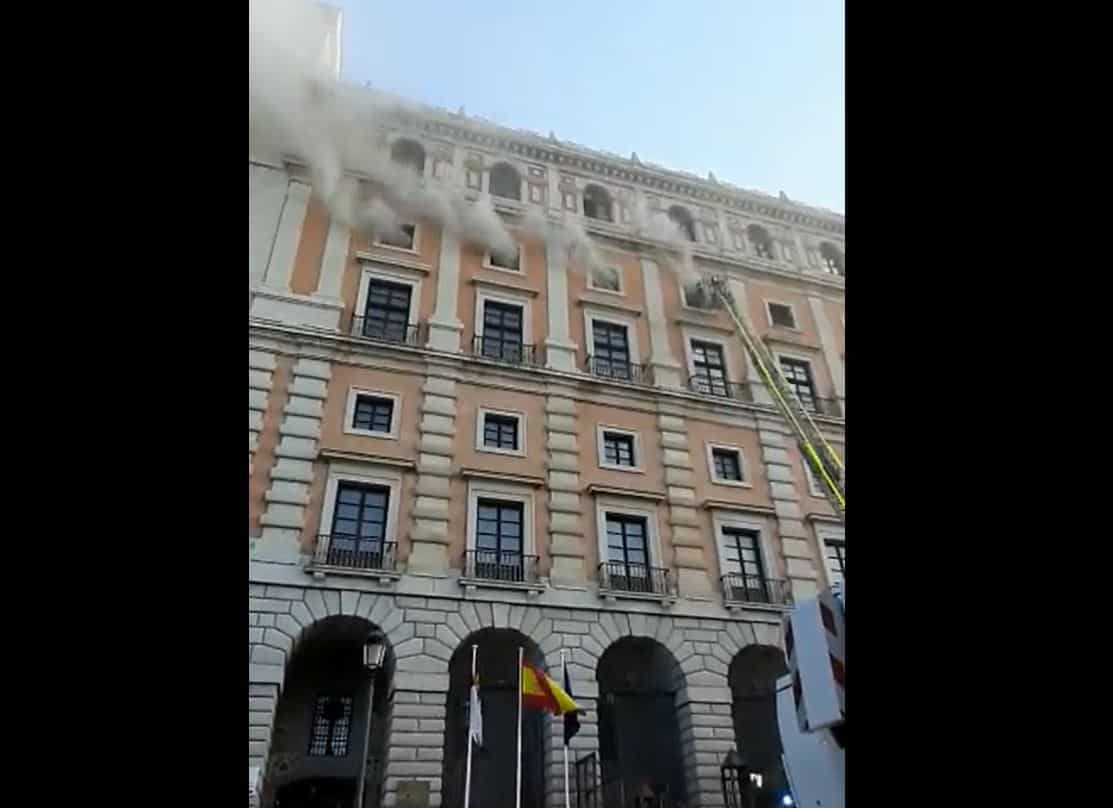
752	676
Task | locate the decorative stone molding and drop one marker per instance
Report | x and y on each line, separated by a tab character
429	537
692	572
260	378
566	523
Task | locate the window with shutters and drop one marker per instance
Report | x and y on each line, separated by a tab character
371	413
332	726
781	315
500	431
619	449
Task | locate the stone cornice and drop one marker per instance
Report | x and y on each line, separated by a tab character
445	125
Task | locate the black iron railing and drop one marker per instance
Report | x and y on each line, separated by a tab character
824	406
380	331
503	350
614	369
771	591
501	565
623	577
351	552
712	386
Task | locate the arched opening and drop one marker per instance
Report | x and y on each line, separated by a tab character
506	181
321	739
753	683
639	735
683	219
759	237
410	154
494	766
597	203
832	258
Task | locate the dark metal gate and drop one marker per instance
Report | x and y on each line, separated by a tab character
587	782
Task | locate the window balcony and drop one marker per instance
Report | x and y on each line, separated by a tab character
739	590
339	553
379	331
617	371
620	578
711	386
499	349
501	569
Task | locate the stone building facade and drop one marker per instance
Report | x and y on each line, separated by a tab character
453	450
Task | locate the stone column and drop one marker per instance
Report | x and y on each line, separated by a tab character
429	548
292	474
830	352
566	523
663	365
800	569
560	351
683	518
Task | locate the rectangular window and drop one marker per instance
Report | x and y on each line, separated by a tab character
569	198
618	449
709	366
512	263
610	350
606	279
697	296
536	193
359	526
373	414
798	374
475	179
500	431
628	553
782	315
498	540
332	724
738	239
502	331
813	480
387	314
788	252
742	558
836	560
727	464
403	240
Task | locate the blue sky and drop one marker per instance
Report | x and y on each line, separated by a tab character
750	90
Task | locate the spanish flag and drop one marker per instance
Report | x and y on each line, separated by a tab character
541	692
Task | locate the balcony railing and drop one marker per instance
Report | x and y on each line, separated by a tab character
375	329
351	552
614	369
621	577
503	350
825	406
770	591
711	386
501	565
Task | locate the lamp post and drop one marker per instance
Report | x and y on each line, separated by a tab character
374	652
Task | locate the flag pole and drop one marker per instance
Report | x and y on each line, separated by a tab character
518	789
564	679
467	776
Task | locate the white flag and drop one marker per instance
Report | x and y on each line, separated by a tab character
475	725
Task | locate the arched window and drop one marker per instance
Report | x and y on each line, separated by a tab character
597	203
506	181
832	258
759	237
683	220
752	676
409	153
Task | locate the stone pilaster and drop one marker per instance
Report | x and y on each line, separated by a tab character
663	365
687	533
429	537
445	326
560	351
260	378
266	195
830	352
799	559
292	474
705	725
280	268
566	523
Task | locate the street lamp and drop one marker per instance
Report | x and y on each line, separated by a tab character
374	652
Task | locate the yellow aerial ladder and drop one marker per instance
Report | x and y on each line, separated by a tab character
818	453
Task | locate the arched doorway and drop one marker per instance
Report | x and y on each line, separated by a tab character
639	735
494	767
320	739
753	683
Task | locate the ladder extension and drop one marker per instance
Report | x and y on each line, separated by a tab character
824	462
